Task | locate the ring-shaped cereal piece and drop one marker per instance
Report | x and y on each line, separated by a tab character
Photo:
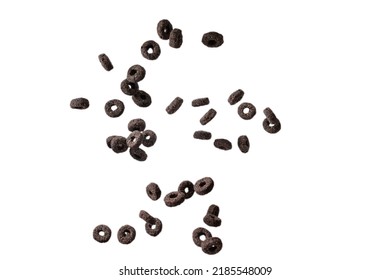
197	233
147	217
223	144
136	73
173	199
105	61
251	110
126	234
129	88
212	39
150	138
105	236
135	139
142	99
187	188
176	38
136	124
154	229
164	29
273	127
153	191
138	154
204	186
212	245
212	220
150	45
80	103
243	143
114	108
118	144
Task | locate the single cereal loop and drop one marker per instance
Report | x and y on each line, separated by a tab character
164	29
147	217
210	114
129	88
136	73
173	199
116	112
105	61
213	209
154	229
174	105
142	99
204	186
212	245
202	135
212	39
176	38
126	234
197	233
235	97
106	233
156	51
272	127
80	103
187	188
150	138
108	140
251	110
243	143
138	154
223	144
118	144
135	139
153	191
136	124
212	220
200	102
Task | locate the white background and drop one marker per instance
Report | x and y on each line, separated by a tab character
312	201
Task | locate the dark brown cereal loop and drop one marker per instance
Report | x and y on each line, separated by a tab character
147	217
164	28
243	143
105	61
126	234
102	233
154	47
142	99
212	245
174	105
153	191
79	103
108	140
204	186
118	144
235	97
210	114
135	139
222	144
129	88
114	108
202	135
150	138
200	102
187	188
176	38
197	233
212	39
251	110
154	229
173	199
138	154
136	73
213	209
212	220
136	124
271	124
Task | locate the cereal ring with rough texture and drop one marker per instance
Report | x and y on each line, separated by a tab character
138	154
272	127
210	114
212	220
114	108
79	103
243	143
150	138
129	88
212	245
213	209
105	61
187	188
153	191
204	186
118	144
108	140
212	39
136	124
154	229
197	233
126	234
147	217
150	45
202	135
142	99
174	105
173	199
105	236
136	73
222	144
176	38
251	110
164	29
200	102
135	139
235	97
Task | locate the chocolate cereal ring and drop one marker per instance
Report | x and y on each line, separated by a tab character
203	135
213	209
212	220
154	47
210	114
212	245
197	233
173	199
79	103
142	99
271	124
108	140
251	110
243	143
129	88
102	233
164	28
138	154
200	102
174	105
114	108
147	217
204	186
222	144
154	229
187	188
136	73
118	144
176	38
235	97
136	124
212	39
126	234
150	138
153	191
135	139
105	61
